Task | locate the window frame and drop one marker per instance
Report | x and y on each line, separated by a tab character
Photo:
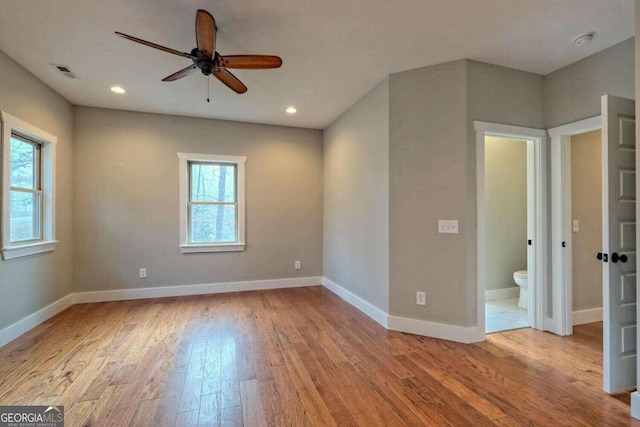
185	160
47	142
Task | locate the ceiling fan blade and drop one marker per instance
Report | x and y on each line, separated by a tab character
180	74
230	80
156	46
206	32
253	62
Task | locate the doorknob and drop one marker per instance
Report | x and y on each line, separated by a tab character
622	258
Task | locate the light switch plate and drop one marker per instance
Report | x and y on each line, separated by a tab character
576	225
448	226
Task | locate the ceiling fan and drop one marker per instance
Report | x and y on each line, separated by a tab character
206	59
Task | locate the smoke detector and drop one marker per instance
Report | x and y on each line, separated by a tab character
583	38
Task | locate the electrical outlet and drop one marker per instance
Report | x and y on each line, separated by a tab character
143	273
297	265
448	226
421	298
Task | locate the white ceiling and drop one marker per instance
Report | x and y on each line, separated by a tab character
334	51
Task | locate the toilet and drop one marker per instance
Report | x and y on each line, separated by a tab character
520	277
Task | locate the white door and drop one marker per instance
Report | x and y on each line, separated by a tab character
619	243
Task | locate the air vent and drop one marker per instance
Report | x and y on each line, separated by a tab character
64	69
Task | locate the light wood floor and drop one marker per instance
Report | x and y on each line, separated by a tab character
297	357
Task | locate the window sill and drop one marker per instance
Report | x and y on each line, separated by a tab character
194	249
13	252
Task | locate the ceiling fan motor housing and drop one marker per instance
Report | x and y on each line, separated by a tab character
202	61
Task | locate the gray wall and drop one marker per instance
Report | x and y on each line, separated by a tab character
432	176
573	93
429	180
356	198
504	95
31	283
505	210
586	207
126	205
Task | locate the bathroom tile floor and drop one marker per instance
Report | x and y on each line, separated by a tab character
504	315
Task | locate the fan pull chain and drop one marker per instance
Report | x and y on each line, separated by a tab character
208	80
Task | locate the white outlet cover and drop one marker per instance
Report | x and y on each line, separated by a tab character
576	225
448	226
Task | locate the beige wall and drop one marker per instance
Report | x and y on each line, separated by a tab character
356	198
586	207
126	205
573	93
30	283
505	210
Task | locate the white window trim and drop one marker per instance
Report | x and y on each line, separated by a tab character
185	159
48	142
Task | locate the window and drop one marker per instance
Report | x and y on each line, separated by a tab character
28	156
211	203
25	199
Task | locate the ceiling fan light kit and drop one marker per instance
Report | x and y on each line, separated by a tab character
207	60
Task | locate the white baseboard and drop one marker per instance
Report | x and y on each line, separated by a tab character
461	334
22	326
370	310
502	293
402	324
587	316
185	290
635	405
413	326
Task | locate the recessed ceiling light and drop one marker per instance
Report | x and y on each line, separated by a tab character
292	110
117	89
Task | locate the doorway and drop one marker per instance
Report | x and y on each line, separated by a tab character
585	238
619	235
536	201
506	234
562	225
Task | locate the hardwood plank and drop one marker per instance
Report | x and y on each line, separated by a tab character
169	400
144	413
294	413
231	417
252	408
187	419
311	399
209	415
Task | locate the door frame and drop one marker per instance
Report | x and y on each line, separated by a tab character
536	209
561	322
